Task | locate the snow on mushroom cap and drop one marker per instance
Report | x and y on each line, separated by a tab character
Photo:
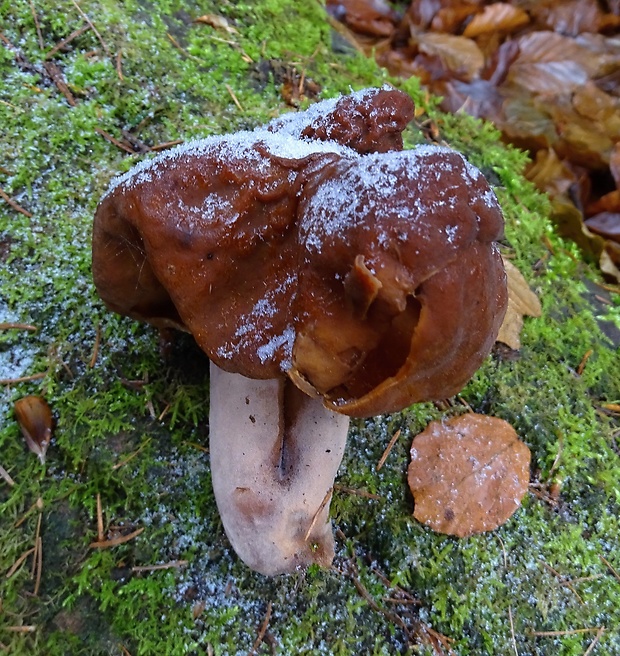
294	123
231	147
374	184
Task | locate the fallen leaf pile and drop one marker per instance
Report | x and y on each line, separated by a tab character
545	72
468	474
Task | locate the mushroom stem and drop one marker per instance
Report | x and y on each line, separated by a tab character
274	455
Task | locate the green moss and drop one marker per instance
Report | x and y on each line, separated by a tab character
131	430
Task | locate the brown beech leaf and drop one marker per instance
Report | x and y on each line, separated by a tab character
614	164
606	224
448	19
35	420
218	22
552	64
372	17
460	55
570	224
467	474
521	301
498	17
610	261
551	174
571	17
608	203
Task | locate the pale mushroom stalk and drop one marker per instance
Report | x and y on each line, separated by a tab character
274	455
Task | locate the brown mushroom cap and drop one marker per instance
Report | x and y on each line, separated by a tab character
371	279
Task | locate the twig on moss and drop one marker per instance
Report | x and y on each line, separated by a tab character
6	476
93	358
58	79
388	449
167	144
19	562
177	45
67	41
38	563
154	568
132	455
234	97
119	144
17	326
262	631
594	642
326	499
37	536
14	205
114	542
119	65
564	580
195	445
22	379
610	567
100	533
359	493
94	29
557	634
512	631
36	25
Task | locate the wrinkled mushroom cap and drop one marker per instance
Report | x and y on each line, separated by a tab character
370	279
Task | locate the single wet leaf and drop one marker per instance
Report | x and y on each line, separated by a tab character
521	301
458	54
468	474
606	224
216	21
498	17
34	417
372	17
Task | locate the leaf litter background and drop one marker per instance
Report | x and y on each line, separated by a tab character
546	73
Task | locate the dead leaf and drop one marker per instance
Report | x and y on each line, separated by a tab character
448	19
458	54
614	164
372	17
521	301
608	203
550	64
569	222
218	22
606	224
468	474
571	17
610	261
498	17
551	174
34	417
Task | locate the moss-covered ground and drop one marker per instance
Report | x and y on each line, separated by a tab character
131	428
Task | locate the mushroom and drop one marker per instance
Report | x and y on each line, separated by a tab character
327	274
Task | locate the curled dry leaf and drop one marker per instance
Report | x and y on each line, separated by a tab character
468	474
372	17
521	301
498	17
459	55
218	22
34	417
